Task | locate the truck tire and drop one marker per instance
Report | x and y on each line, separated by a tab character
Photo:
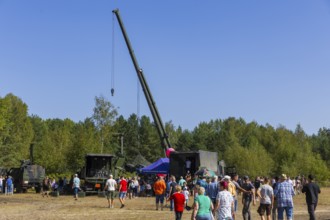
19	189
38	189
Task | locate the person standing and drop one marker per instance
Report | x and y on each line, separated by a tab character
172	190
224	202
212	191
45	187
202	206
76	186
312	191
266	195
186	193
274	209
181	181
188	165
160	189
122	191
284	196
179	201
238	190
110	187
9	184
1	180
247	198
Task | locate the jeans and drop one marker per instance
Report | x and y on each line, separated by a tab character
288	211
203	217
178	215
171	204
9	188
246	209
274	210
311	211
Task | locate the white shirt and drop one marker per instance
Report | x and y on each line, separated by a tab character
76	182
111	184
186	194
225	200
266	192
188	164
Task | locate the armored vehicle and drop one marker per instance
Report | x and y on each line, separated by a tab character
26	176
97	169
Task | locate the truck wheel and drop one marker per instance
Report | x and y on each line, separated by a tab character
19	189
38	189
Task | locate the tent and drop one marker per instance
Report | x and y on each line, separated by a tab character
160	166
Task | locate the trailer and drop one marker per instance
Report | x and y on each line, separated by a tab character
192	161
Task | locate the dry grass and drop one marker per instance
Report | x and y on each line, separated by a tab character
33	206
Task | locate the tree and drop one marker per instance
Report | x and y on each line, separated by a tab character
16	133
104	117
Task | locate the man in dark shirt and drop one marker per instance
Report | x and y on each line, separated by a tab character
247	197
312	191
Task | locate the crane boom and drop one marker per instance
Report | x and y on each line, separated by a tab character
151	103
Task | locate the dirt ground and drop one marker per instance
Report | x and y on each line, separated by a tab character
33	206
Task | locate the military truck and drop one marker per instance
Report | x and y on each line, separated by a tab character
197	159
26	176
97	169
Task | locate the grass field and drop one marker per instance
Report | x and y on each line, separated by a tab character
33	206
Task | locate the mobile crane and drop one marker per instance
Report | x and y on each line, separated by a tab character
151	103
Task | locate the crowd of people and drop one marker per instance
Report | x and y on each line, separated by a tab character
217	198
213	197
6	185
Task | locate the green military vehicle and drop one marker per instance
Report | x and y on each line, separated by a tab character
97	169
26	176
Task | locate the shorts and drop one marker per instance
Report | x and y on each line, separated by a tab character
160	198
110	194
214	201
75	190
122	195
264	208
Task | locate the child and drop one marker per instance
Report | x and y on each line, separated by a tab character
179	201
186	193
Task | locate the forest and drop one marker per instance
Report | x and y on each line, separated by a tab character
61	144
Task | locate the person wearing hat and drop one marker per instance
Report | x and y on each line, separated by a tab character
231	186
76	186
110	187
224	202
312	191
247	198
284	197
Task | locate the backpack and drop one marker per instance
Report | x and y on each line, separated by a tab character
131	185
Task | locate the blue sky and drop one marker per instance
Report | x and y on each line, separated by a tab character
264	61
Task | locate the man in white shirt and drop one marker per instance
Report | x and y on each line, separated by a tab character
110	188
76	186
188	165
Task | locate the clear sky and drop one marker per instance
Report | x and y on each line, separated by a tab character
264	61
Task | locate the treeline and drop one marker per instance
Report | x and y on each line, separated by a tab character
60	145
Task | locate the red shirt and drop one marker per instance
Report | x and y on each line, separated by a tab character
123	185
179	200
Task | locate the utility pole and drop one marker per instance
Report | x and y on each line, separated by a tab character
121	135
